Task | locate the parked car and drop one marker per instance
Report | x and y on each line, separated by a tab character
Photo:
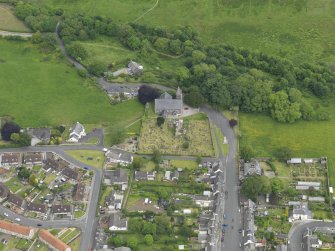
17	219
5	214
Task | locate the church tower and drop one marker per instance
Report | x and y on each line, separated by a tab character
179	94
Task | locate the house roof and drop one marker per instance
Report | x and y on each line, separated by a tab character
4	191
42	208
40	133
9	158
118	156
52	240
61	209
78	191
165	95
77	128
252	168
168	104
15	228
72	173
33	157
122	249
140	175
116	220
16	200
118	175
134	67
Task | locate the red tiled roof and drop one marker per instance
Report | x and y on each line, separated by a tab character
15	228
52	240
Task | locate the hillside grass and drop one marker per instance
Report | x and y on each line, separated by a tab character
306	139
43	90
9	22
285	28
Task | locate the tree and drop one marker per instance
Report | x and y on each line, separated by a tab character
194	98
232	123
33	180
160	120
24	139
277	185
148	239
156	156
115	241
23	173
15	137
147	94
8	128
132	242
149	228
97	68
283	153
247	153
185	231
135	225
138	162
254	186
199	160
77	51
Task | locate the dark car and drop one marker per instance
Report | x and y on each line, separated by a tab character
240	230
39	225
86	168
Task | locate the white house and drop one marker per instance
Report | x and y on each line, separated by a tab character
77	132
117	223
300	212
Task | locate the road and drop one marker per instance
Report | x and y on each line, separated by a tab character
16	34
297	230
233	218
88	223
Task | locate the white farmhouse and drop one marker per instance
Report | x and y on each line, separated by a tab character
77	132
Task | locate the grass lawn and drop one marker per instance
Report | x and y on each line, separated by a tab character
23	244
50	177
71	235
52	93
74	245
104	195
187	164
14	184
9	22
84	155
306	139
287	28
149	166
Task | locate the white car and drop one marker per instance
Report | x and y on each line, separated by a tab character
17	219
5	214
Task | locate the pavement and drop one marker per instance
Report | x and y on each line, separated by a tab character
296	232
233	219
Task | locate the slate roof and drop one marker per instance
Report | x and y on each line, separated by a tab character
117	221
40	133
252	168
113	156
33	157
10	158
16	200
61	209
140	175
166	104
4	191
78	191
41	208
72	173
117	176
135	68
78	128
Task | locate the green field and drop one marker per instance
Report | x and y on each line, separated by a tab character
49	92
83	155
306	139
286	28
9	22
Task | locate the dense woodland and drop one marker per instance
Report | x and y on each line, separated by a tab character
221	74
